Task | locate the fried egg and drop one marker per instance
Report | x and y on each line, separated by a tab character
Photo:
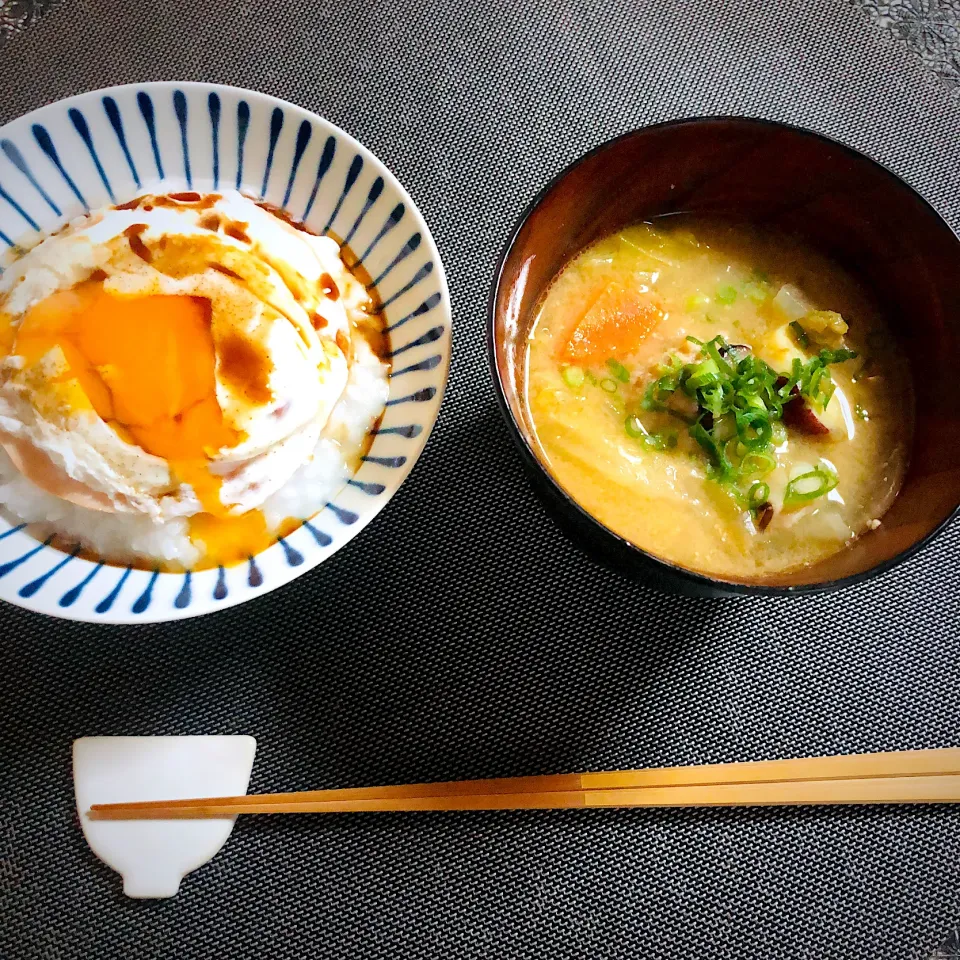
177	356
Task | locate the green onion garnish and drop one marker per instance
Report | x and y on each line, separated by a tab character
618	370
739	401
721	467
696	302
702	375
753	428
661	441
573	377
759	493
609	385
726	295
757	291
659	392
800	334
756	465
809	486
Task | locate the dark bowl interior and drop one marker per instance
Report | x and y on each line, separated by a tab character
840	203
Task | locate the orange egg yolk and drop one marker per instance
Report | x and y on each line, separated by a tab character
147	365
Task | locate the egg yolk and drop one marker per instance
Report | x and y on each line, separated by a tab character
147	366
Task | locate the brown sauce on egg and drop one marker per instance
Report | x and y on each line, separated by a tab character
132	233
282	214
237	231
226	271
246	367
329	287
187	198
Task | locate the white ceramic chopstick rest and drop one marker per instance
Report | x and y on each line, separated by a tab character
153	856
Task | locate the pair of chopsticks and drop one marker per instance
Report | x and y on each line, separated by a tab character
915	776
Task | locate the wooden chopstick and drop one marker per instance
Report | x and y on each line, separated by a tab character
873	790
917	776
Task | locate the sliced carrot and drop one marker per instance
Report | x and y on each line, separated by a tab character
613	326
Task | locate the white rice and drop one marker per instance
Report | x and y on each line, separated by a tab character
128	537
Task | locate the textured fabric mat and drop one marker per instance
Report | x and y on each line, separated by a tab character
461	635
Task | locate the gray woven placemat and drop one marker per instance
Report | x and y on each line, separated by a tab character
462	635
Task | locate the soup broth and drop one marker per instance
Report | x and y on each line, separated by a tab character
724	398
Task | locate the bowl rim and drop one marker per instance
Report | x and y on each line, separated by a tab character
117	616
701	582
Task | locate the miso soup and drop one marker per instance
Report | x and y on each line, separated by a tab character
724	398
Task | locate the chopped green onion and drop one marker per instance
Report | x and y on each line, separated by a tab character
809	486
673	365
619	370
738	402
703	373
714	352
591	379
657	393
721	466
573	377
755	464
800	334
734	449
661	441
726	295
753	427
758	494
696	302
757	291
609	385
827	388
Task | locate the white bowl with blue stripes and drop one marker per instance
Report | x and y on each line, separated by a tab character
111	145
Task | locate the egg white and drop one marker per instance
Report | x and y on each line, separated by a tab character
271	296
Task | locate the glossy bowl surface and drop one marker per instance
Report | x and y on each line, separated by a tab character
839	202
111	145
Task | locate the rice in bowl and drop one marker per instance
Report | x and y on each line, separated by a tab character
186	378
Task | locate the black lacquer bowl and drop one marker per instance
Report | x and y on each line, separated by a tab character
836	200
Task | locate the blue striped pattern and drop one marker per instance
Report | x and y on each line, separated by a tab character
303	138
213	106
243	125
146	111
16	206
113	144
356	165
326	158
276	125
80	125
13	154
180	106
116	121
73	594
